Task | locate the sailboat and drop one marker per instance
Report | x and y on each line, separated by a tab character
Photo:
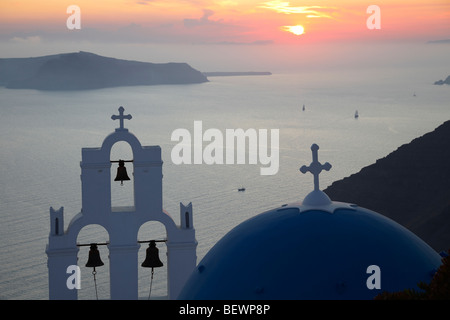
356	114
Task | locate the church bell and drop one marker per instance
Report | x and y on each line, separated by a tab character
121	172
94	257
152	256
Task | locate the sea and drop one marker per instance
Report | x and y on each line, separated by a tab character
42	134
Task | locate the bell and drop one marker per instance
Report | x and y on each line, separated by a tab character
94	257
152	256
121	172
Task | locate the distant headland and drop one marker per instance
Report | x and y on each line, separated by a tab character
441	82
85	70
233	74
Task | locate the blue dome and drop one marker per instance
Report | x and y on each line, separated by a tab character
317	249
298	252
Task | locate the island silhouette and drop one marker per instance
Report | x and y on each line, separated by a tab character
85	70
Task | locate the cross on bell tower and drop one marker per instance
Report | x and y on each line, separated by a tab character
121	117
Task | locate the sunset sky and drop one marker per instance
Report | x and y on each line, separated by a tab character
28	23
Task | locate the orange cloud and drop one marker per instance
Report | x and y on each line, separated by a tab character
310	11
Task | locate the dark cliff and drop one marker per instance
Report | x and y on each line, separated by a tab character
411	186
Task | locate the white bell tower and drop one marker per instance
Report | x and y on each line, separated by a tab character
121	223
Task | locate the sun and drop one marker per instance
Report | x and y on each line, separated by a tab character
297	30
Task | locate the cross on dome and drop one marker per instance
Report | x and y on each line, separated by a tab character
315	167
121	117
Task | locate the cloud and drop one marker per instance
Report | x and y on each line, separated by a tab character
181	2
28	39
310	11
204	20
144	2
252	43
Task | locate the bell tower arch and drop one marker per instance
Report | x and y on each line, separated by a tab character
122	170
121	223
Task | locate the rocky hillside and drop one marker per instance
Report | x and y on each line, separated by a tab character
411	186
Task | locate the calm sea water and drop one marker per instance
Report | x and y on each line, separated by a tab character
42	133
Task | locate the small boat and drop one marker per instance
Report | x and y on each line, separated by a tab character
356	114
303	108
241	189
